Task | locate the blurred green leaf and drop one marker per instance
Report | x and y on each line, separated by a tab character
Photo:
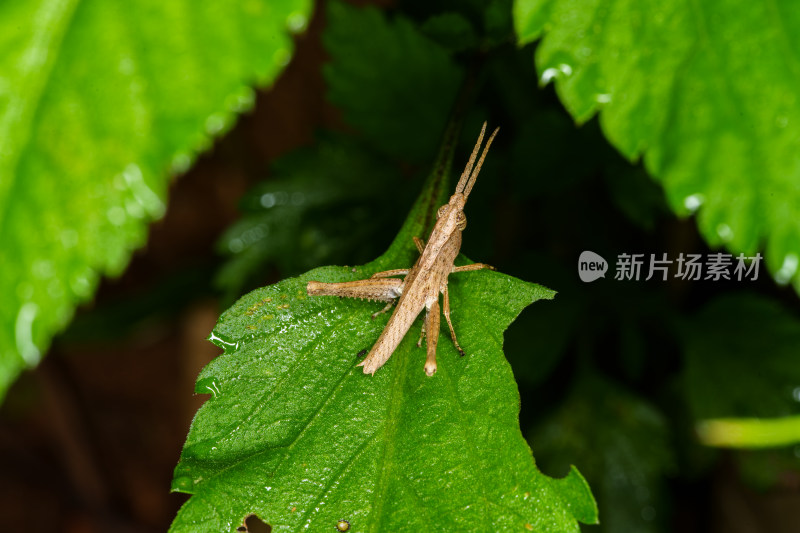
741	359
622	444
326	204
451	30
297	434
99	103
498	22
750	432
705	92
391	82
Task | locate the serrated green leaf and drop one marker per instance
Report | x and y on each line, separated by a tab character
704	91
389	79
100	104
297	434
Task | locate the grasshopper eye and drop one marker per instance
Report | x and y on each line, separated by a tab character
442	210
461	221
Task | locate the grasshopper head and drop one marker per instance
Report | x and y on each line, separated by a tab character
453	212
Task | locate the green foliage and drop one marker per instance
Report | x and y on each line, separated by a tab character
635	382
324	205
720	344
451	30
722	386
704	91
289	409
625	444
297	434
101	103
399	82
750	432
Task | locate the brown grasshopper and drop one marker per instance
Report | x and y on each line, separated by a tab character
423	282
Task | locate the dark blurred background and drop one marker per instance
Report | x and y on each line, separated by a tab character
89	439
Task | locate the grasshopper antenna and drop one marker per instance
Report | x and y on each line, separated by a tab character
462	181
469	176
474	175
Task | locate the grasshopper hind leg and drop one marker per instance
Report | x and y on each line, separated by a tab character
432	326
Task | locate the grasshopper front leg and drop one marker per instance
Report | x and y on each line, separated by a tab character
389	273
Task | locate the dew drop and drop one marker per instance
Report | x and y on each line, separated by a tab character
81	285
796	394
215	123
548	75
181	162
268	200
221	341
553	72
725	232
23	329
296	22
142	192
787	270
134	209
208	386
242	100
236	245
693	202
183	483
